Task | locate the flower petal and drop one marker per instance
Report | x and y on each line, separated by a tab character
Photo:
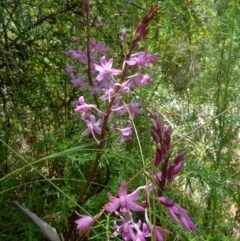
123	189
178	167
172	214
112	206
159	236
170	173
166	202
179	158
86	132
133	206
98	67
186	221
133	196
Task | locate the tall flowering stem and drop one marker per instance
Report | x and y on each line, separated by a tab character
135	40
124	205
138	35
162	138
104	81
154	192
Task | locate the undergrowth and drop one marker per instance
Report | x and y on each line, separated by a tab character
197	94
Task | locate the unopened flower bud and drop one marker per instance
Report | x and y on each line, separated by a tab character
82	23
124	36
100	26
74	40
179	158
166	202
94	18
178	167
170	173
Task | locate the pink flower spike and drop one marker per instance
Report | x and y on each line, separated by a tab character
84	224
124	202
105	69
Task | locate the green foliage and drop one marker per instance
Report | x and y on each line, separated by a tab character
43	162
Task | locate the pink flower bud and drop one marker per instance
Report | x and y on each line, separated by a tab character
100	26
84	224
186	222
145	33
166	202
124	36
158	157
178	167
179	158
94	18
82	23
170	173
74	40
168	137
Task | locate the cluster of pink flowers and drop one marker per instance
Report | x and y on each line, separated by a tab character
106	87
125	204
138	231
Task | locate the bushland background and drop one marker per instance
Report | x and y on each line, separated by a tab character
196	79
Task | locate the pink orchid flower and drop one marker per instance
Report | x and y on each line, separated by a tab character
84	224
124	202
93	126
105	69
